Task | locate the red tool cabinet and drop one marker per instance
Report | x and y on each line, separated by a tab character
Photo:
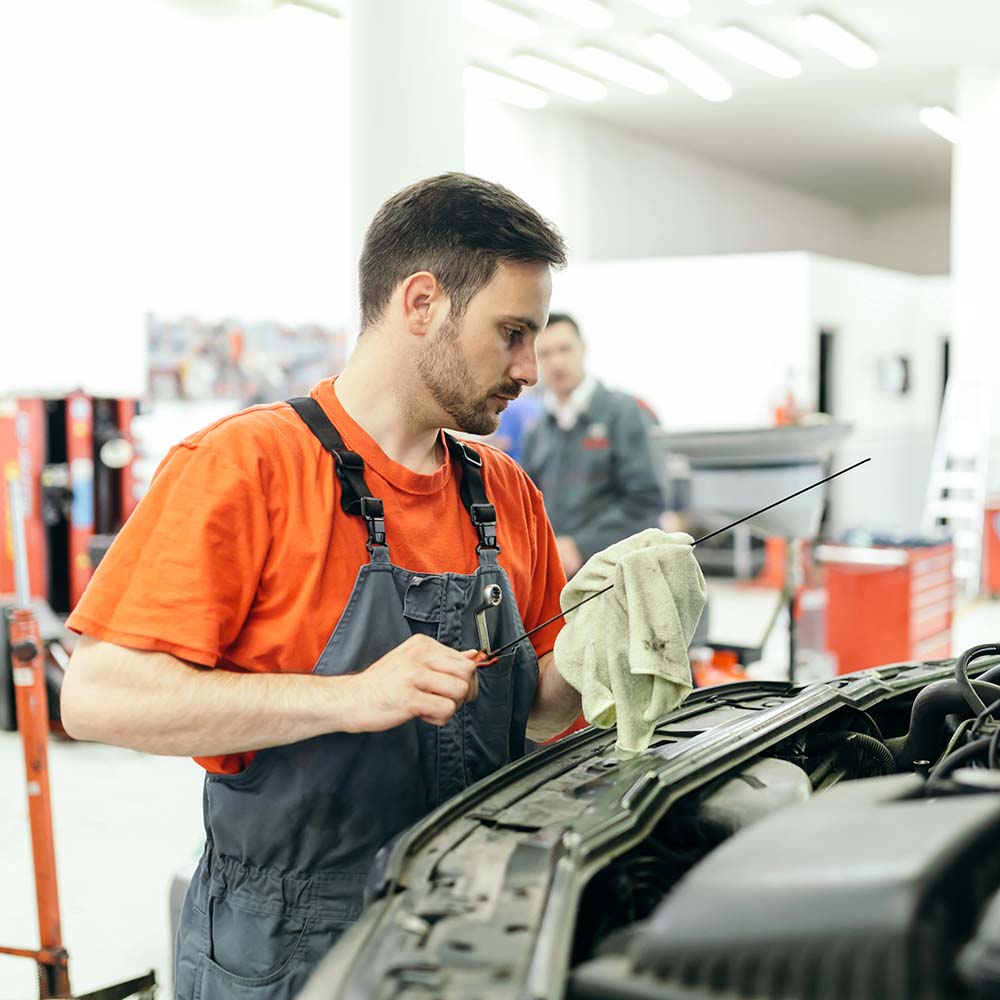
991	547
888	604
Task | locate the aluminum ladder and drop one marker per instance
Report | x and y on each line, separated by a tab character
957	488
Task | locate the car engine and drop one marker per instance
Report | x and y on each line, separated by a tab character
857	860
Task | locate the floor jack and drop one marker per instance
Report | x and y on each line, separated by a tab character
27	664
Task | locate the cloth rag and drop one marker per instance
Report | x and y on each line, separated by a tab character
626	651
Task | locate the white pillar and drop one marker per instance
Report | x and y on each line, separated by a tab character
972	425
976	228
407	98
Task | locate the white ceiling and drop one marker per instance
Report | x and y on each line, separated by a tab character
852	136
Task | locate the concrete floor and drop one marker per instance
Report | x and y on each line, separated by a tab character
125	822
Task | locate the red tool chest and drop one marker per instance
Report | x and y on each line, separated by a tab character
991	547
888	604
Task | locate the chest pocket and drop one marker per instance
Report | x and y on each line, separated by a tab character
423	603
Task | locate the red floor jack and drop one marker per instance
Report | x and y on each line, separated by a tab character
27	663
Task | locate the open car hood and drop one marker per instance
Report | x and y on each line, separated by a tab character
494	894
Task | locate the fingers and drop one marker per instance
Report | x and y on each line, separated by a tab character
444	675
473	689
462	669
434	654
444	685
432	708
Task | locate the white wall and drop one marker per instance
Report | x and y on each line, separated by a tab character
648	200
708	342
170	163
917	239
875	314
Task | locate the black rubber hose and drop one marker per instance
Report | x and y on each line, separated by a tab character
874	749
957	757
992	675
866	746
930	709
962	673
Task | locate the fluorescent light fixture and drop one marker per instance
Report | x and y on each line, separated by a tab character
555	77
837	41
501	20
754	50
617	69
586	13
685	67
319	6
667	8
942	121
487	83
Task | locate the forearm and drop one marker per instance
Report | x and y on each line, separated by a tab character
160	704
557	705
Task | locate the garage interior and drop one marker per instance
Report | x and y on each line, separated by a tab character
782	229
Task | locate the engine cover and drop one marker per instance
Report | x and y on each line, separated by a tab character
868	891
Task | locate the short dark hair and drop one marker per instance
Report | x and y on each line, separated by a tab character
457	227
564	318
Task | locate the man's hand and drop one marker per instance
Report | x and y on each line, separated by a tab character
158	703
419	679
569	554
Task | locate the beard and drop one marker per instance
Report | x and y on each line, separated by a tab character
446	375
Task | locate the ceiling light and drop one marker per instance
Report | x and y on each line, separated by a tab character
837	41
942	121
486	83
759	3
239	8
685	67
502	20
754	50
558	78
586	13
667	8
617	69
319	6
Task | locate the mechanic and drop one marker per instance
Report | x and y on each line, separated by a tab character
589	454
327	558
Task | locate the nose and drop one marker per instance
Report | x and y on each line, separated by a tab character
524	366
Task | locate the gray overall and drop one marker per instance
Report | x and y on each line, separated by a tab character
290	839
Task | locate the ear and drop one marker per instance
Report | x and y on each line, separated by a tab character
422	300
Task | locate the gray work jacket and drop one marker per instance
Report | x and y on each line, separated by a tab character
597	478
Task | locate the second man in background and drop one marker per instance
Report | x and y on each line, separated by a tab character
589	452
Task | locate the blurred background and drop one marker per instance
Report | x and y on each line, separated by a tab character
784	223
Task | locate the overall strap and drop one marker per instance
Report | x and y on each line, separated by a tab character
473	493
355	496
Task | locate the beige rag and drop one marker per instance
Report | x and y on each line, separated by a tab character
626	652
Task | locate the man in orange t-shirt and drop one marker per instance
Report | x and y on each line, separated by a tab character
294	602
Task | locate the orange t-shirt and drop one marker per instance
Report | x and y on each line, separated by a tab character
240	556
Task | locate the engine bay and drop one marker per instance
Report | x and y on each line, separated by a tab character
856	860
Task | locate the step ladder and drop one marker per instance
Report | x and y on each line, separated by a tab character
957	488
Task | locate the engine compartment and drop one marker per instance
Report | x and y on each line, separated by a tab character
856	858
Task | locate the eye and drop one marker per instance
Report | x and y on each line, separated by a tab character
514	334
